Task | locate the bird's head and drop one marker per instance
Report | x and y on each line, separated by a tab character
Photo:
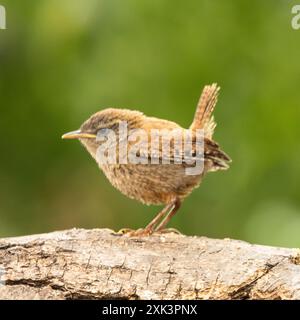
106	119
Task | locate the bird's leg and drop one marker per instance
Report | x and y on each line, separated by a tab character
175	205
159	216
150	226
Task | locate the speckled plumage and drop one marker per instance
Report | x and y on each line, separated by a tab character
166	184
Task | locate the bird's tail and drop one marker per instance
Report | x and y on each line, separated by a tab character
203	118
215	158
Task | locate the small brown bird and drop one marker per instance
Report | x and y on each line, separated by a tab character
159	183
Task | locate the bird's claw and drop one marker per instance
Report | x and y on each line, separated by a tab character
168	230
139	233
144	232
123	231
133	233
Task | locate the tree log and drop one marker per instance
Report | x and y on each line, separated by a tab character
97	264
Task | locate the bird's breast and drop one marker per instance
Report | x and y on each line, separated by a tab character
150	183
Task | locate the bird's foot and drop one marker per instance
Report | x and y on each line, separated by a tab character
168	230
134	233
144	232
122	231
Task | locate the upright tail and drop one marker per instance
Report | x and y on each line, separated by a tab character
203	118
215	158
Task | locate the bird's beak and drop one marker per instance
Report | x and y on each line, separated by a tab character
77	134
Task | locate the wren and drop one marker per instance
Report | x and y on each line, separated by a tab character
158	183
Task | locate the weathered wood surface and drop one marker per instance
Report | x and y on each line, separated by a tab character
95	264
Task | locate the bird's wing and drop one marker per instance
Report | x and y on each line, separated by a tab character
180	147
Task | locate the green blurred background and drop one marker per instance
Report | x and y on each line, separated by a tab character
62	60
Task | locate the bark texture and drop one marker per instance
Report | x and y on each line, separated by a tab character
96	264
